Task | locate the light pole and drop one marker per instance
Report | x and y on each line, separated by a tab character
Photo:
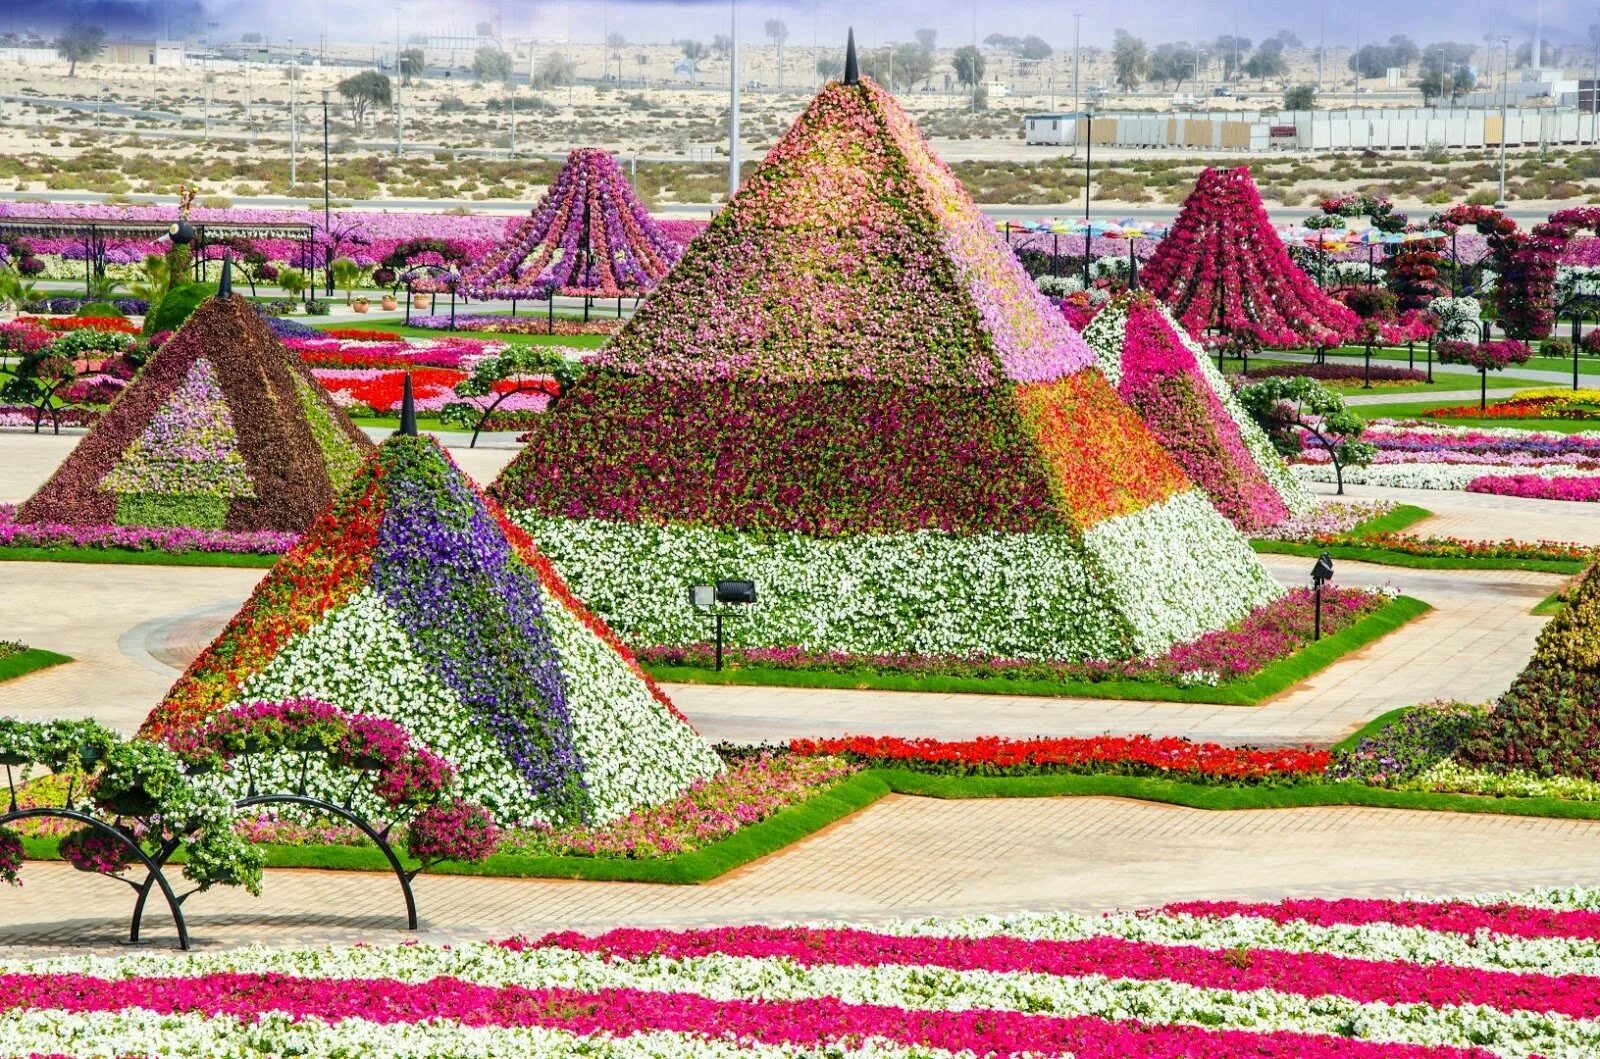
733	99
294	118
1077	104
400	63
327	200
1505	91
1088	154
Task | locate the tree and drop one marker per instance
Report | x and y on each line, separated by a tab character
345	273
694	51
491	64
412	62
913	64
366	89
1445	71
1287	38
829	68
1172	63
969	65
778	32
1129	60
1485	356
80	41
555	69
1300	97
615	42
37	381
1231	50
1268	61
928	38
1002	42
1034	49
721	44
521	368
1402	50
1284	407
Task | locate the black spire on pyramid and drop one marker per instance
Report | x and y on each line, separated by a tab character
408	410
225	287
852	69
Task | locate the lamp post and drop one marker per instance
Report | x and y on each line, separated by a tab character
1077	27
399	90
713	601
1088	154
294	117
1505	92
1321	574
327	200
733	99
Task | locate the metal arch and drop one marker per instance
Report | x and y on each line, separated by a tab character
152	865
379	838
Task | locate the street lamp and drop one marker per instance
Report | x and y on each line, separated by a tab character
733	100
294	118
1505	91
327	202
1321	574
713	601
1088	153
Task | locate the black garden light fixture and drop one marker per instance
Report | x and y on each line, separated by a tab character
1321	574
715	601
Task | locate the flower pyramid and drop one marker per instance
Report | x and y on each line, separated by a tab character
1191	409
223	429
412	598
1223	268
850	392
590	236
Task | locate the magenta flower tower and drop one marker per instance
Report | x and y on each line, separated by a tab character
1189	406
1225	273
589	237
849	391
224	429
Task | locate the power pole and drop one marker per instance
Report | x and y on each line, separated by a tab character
399	91
1077	101
294	118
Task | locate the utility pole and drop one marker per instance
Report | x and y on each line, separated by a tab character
733	99
1505	91
399	100
1077	103
1322	43
294	118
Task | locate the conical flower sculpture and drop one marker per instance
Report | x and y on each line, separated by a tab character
224	428
1191	409
849	391
1225	273
590	236
413	598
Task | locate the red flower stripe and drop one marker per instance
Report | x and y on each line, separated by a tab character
1177	755
1450	917
1303	974
625	1012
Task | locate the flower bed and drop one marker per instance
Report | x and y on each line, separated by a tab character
1529	404
1269	634
519	325
1136	755
1503	976
1582	490
64	536
1427	456
1342	376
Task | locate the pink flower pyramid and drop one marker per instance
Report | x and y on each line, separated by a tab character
1224	270
590	236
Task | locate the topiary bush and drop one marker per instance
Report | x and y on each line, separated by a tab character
176	306
99	309
1549	722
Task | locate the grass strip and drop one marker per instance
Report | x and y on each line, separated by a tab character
1203	796
1550	606
781	829
30	661
133	557
1361	553
1268	682
406	331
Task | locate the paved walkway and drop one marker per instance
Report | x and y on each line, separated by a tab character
903	857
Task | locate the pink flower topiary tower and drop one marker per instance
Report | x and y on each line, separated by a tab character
1225	273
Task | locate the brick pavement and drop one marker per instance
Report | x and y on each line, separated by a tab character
902	857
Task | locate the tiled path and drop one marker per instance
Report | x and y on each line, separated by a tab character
902	857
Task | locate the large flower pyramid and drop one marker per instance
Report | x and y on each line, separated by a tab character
223	429
850	392
414	599
590	236
1191	409
1224	271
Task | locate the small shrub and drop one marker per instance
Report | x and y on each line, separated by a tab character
1555	347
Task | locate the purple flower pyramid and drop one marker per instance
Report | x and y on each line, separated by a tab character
590	236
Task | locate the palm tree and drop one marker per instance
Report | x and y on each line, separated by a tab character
777	32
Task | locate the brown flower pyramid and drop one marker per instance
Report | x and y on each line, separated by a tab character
223	429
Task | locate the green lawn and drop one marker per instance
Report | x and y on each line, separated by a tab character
129	557
1442	383
1270	681
30	661
1415	410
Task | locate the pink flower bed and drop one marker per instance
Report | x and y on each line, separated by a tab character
1451	917
1582	490
138	538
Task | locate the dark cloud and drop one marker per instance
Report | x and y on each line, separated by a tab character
117	17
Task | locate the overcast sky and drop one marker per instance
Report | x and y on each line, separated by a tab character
1157	20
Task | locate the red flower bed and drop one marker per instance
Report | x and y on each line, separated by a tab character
356	334
1122	755
115	324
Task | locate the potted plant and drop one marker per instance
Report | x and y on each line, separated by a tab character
361	304
419	300
346	273
389	303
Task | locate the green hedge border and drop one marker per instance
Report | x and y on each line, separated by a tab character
1275	678
30	661
1404	517
131	557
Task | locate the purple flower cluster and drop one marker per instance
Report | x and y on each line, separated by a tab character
475	613
16	534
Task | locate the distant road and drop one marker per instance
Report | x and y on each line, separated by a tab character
1279	215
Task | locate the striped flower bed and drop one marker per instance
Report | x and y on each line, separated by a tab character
1501	976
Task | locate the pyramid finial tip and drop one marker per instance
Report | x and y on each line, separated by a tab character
225	286
852	68
408	411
